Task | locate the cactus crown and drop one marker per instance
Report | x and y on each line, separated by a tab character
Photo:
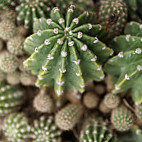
66	52
127	65
10	98
16	127
45	130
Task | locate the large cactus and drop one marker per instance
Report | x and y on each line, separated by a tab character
127	65
66	51
10	98
30	10
6	3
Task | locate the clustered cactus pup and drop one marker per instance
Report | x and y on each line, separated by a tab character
66	52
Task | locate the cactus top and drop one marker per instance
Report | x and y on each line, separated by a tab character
66	52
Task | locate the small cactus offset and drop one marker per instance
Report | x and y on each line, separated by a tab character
96	132
113	14
127	65
66	52
69	116
45	130
16	127
6	4
10	98
122	119
30	10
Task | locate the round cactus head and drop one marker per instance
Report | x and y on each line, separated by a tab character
8	62
16	127
43	102
122	119
45	130
69	116
68	47
10	98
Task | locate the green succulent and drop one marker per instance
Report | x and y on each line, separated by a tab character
96	132
30	10
45	130
16	127
6	4
10	98
66	52
113	14
126	65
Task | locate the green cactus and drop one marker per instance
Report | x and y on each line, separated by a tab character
122	119
30	10
113	14
96	132
43	102
138	111
69	116
7	29
66	53
15	45
10	98
16	127
127	66
45	130
6	4
8	62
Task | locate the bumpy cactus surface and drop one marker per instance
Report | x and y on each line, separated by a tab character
113	14
16	127
122	119
10	98
127	65
66	52
96	132
138	111
45	130
6	4
30	10
69	116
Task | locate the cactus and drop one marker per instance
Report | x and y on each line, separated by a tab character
15	45
20	30
122	119
126	66
66	53
6	4
113	14
96	132
43	102
10	98
111	101
45	130
138	111
90	100
2	76
7	29
68	116
16	127
13	78
8	62
30	10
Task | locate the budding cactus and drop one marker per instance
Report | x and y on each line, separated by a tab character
30	10
7	29
13	78
127	66
6	4
45	130
96	132
43	102
15	45
8	62
67	51
69	116
122	119
90	100
10	98
138	111
113	14
16	127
